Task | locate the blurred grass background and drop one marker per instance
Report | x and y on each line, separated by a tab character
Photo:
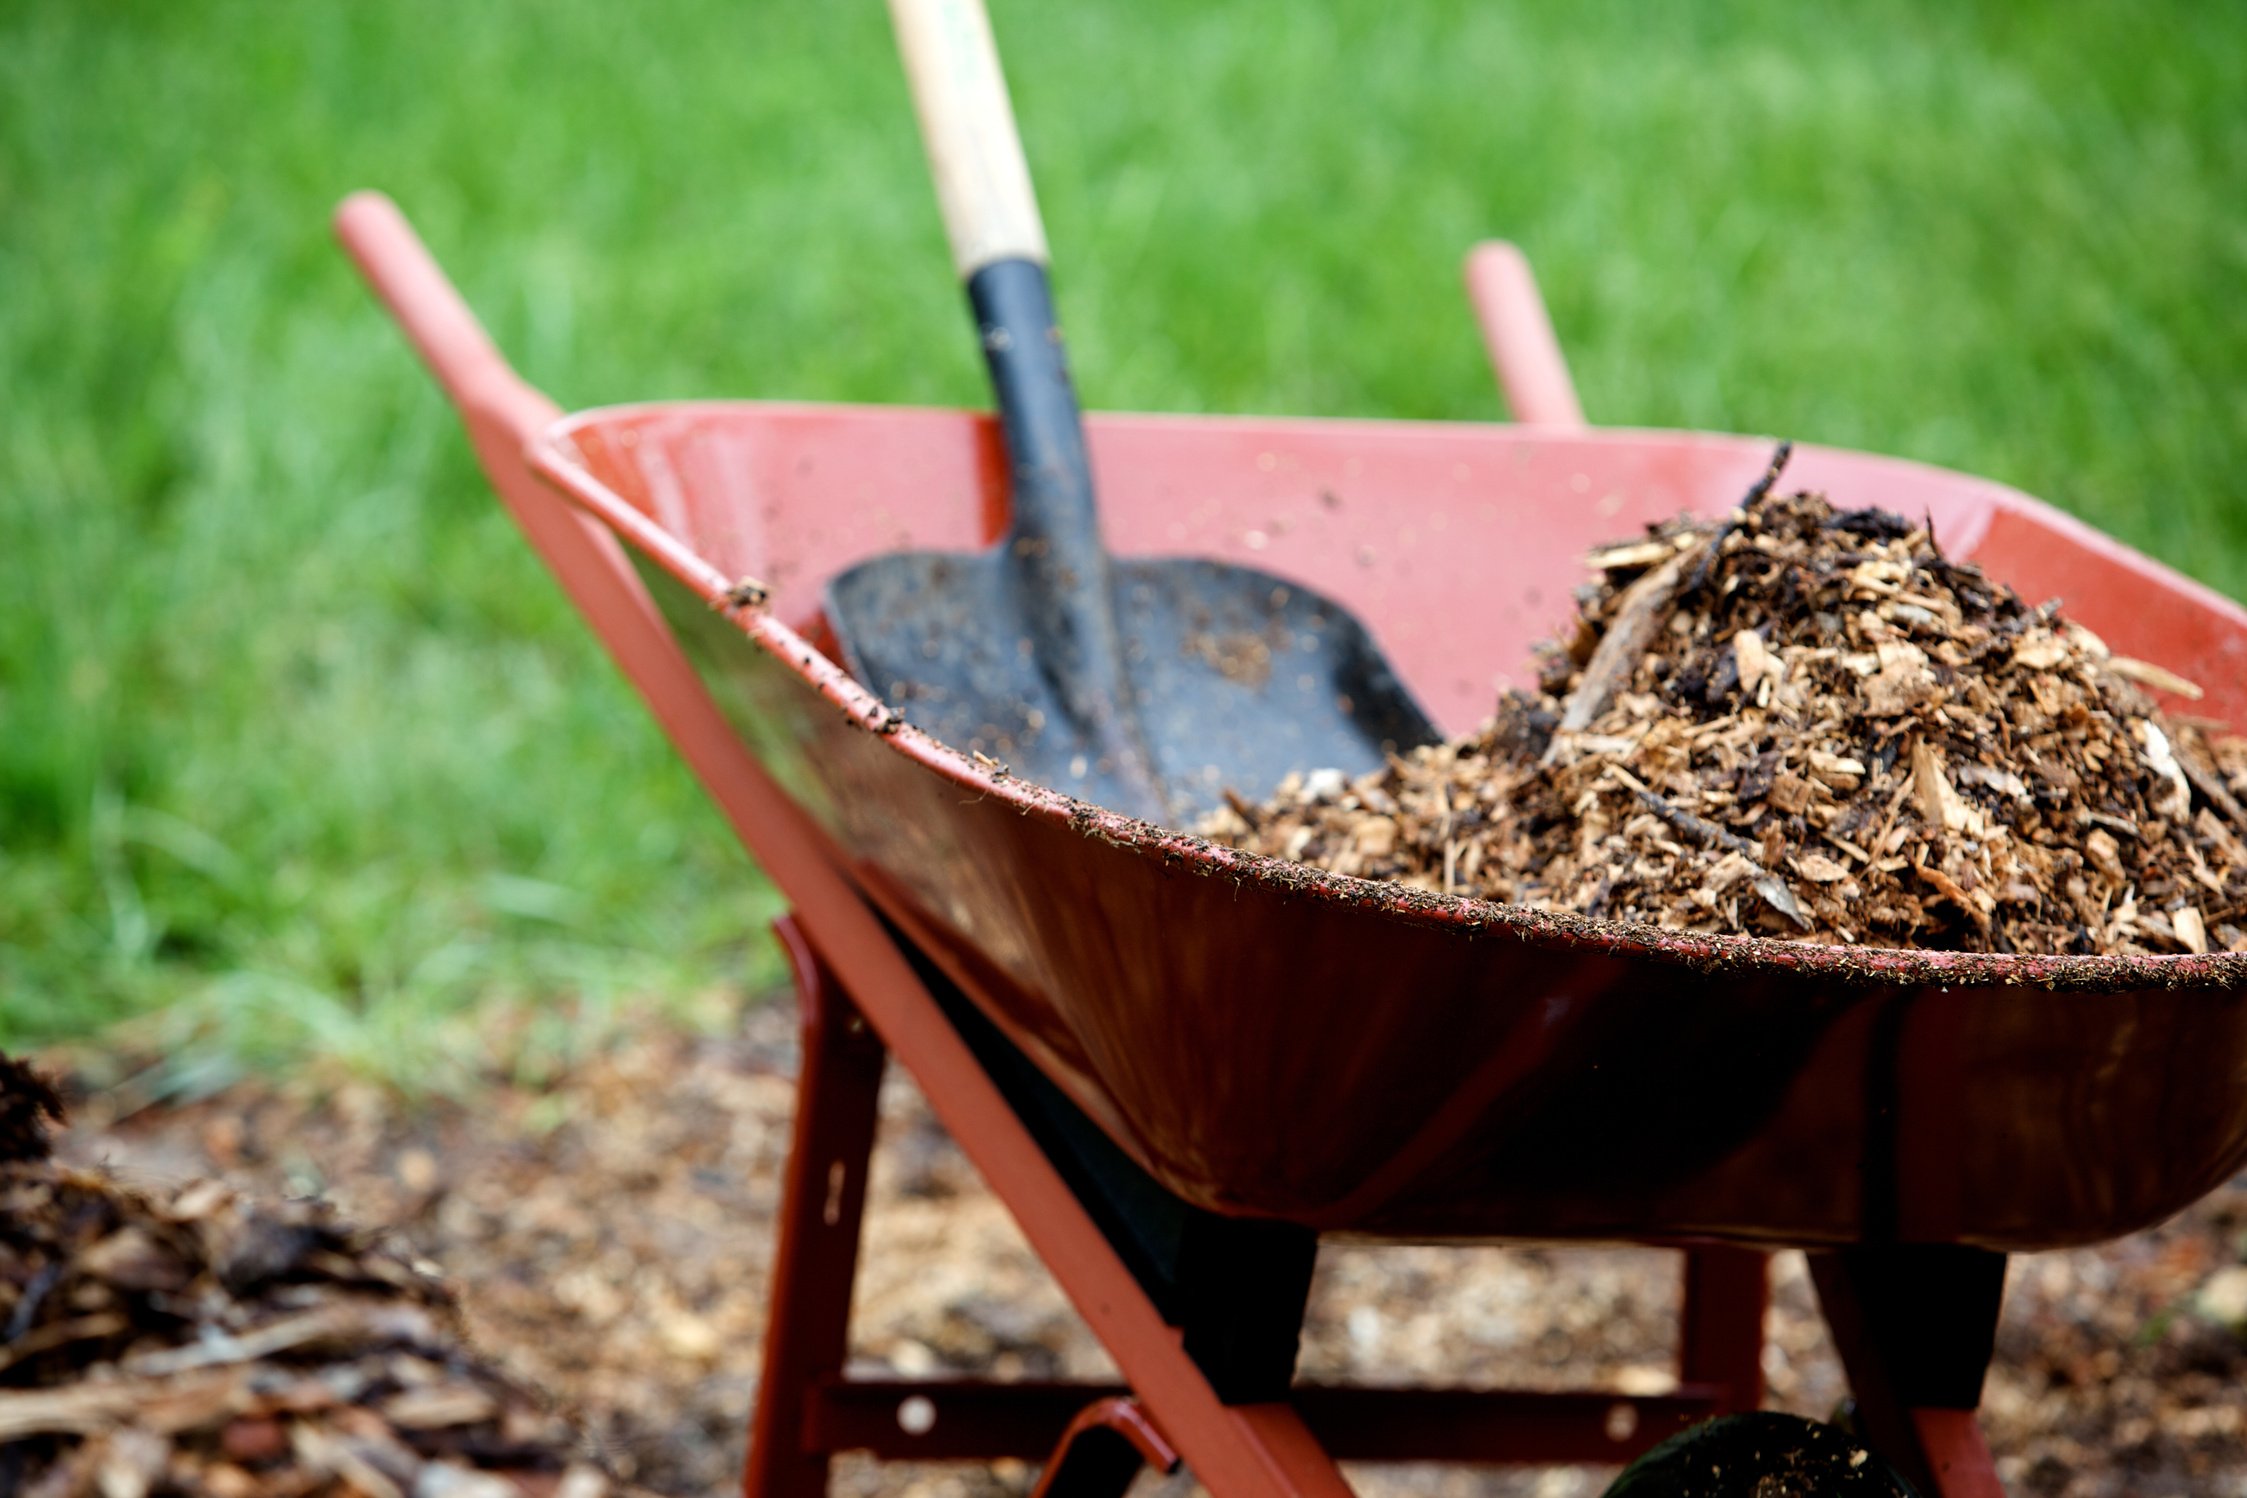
302	756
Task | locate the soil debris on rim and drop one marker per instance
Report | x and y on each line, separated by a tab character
196	1342
1803	722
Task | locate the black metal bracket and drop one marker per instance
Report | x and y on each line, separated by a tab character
1236	1287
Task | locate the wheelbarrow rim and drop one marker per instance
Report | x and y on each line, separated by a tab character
554	456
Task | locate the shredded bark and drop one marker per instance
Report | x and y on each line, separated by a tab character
1803	722
196	1343
29	1110
610	1231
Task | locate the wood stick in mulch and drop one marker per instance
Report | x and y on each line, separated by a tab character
1643	606
1757	493
2204	779
1709	835
1638	614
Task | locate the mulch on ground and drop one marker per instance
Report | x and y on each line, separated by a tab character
1801	722
191	1341
609	1238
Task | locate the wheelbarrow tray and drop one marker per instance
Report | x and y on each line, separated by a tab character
1270	1040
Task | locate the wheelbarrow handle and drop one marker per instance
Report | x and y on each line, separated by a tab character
1518	332
967	124
443	331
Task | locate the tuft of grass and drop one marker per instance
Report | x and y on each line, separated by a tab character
300	754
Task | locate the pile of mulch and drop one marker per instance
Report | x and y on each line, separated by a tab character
610	1235
1802	722
191	1341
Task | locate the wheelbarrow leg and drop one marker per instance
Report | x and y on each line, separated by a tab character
1258	1450
1726	1289
1720	1336
1518	334
823	1198
1915	1326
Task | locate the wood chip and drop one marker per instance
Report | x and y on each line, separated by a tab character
1939	806
1630	556
2105	853
2158	678
1950	889
2175	799
1819	869
439	1407
1750	658
2191	928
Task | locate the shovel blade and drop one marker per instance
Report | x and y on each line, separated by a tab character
1235	677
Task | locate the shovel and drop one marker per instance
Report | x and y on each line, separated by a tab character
1150	686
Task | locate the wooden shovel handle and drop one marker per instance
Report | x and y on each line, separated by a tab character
967	124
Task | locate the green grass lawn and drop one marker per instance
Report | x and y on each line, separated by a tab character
300	753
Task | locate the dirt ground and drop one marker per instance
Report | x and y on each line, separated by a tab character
611	1236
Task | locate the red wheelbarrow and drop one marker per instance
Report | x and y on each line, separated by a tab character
1180	1065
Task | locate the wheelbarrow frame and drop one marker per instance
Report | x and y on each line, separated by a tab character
1914	1324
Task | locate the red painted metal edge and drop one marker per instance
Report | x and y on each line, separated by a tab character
1102	1452
973	1420
955	1419
553	458
1958	1459
1124	1416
